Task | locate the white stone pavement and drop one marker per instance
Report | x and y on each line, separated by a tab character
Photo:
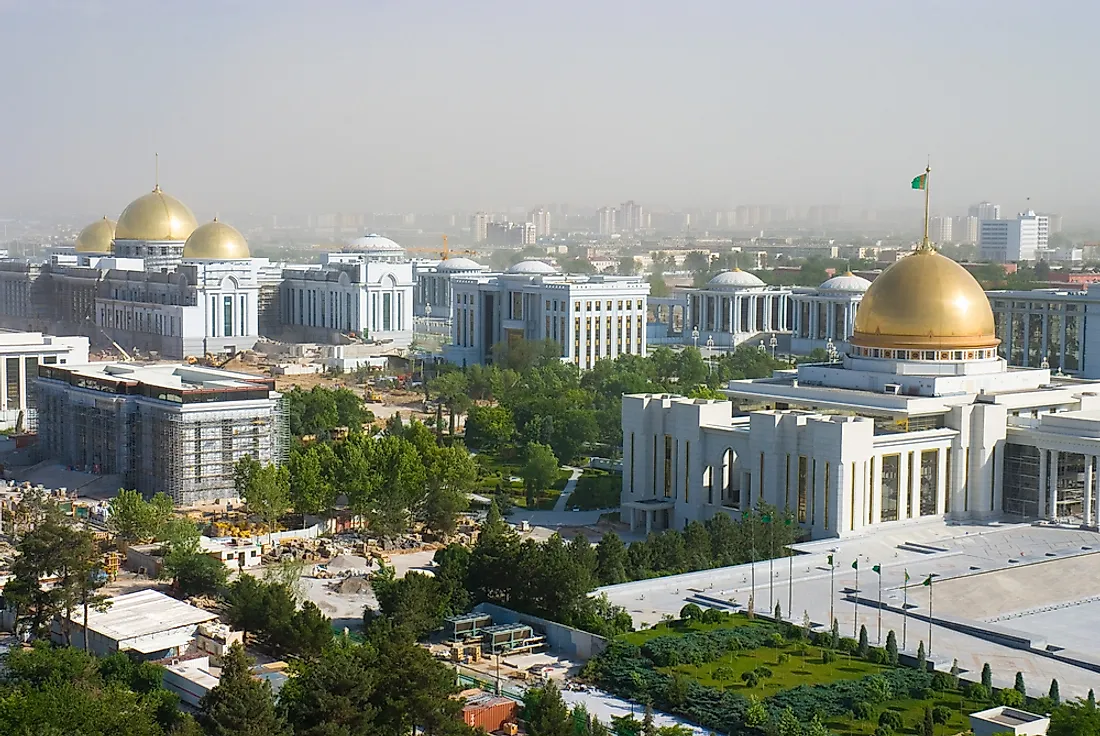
570	486
946	551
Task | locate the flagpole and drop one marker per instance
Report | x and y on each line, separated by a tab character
904	610
832	589
880	606
927	170
930	616
855	606
771	568
790	583
752	531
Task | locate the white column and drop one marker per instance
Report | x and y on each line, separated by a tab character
1044	481
941	481
1053	485
1089	460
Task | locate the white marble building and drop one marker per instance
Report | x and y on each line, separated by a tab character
920	419
591	317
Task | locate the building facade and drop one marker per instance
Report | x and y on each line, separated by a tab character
920	419
591	317
174	428
20	355
1011	241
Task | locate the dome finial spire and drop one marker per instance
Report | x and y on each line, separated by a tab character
156	171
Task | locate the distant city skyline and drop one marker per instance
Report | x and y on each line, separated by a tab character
283	106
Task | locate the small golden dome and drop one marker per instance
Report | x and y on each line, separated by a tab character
925	301
216	240
97	237
155	216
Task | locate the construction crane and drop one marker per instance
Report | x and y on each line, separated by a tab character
445	253
125	355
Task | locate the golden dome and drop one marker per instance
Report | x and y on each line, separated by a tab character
97	237
216	240
925	301
155	216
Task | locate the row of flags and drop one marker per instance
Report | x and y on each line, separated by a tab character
878	570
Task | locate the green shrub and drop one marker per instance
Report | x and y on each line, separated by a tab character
884	731
876	655
942	682
922	693
891	720
828	656
862	710
978	692
848	646
1010	697
783	658
941	714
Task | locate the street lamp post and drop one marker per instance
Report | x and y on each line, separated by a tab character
831	351
710	352
762	348
695	336
773	343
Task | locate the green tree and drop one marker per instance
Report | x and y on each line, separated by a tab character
1019	685
611	559
892	648
451	476
451	389
922	658
191	570
489	427
545	713
928	726
309	468
864	645
133	519
1054	694
1074	719
416	602
240	705
265	488
987	676
539	471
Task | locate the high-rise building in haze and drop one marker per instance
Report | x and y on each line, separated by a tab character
541	220
1054	221
1009	241
479	227
965	229
608	220
528	233
939	230
631	217
985	211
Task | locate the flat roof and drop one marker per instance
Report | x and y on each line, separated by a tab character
179	376
144	613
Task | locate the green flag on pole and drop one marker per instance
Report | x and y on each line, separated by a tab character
744	516
878	569
830	560
927	581
855	564
766	518
921	182
907	576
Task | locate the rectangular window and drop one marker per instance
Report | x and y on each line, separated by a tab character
227	316
993	479
852	510
668	466
687	471
803	479
31	365
387	311
871	494
947	482
632	463
891	486
827	469
760	481
910	466
813	493
787	486
929	472
654	461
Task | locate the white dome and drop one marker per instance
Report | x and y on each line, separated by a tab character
458	264
846	282
373	242
734	279
532	268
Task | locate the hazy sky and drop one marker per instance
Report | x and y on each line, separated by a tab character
370	105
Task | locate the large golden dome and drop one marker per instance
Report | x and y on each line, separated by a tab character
925	301
216	240
97	237
155	216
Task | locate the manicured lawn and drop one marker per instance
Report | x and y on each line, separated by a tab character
597	489
797	670
678	627
912	713
496	474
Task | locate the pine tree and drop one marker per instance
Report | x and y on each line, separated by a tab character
955	674
892	648
1019	686
922	658
778	612
649	728
928	728
240	705
987	677
1054	695
1091	701
834	633
864	646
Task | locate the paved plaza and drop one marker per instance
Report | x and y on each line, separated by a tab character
1040	581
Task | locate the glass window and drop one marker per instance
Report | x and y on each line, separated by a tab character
890	486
